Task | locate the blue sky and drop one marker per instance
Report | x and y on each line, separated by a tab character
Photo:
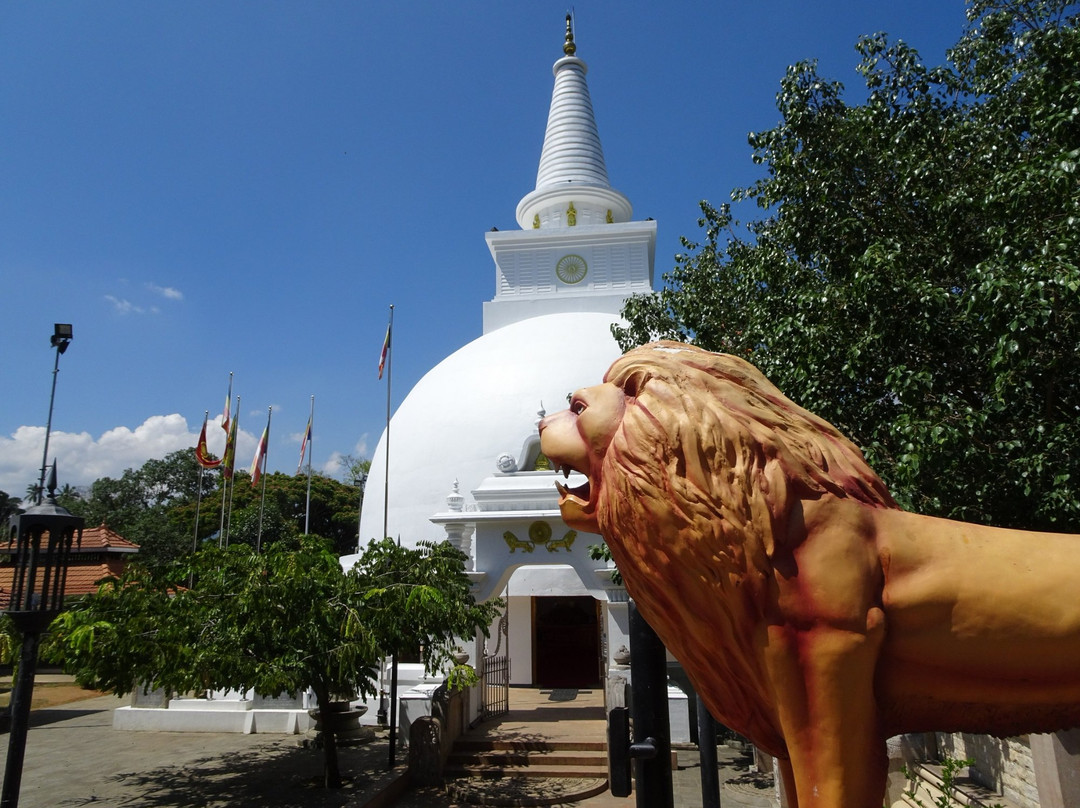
211	187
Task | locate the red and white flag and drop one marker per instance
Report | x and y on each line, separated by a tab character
304	445
385	351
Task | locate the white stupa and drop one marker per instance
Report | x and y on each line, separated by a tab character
464	455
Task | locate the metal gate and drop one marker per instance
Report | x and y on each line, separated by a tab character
496	689
495	677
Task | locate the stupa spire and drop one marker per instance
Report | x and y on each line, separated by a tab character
572	185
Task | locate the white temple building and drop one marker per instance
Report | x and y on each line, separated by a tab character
464	458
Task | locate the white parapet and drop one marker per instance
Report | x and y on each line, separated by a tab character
188	716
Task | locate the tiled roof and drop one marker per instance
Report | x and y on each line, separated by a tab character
100	539
102	552
81	578
103	537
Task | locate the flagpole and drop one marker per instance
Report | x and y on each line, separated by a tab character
264	451
224	478
386	510
311	449
389	376
224	493
234	429
198	500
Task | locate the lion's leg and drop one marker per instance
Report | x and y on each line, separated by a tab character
787	776
824	683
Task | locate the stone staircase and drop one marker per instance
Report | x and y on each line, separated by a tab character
548	749
525	772
487	758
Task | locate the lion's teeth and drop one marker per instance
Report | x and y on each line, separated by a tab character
566	472
560	488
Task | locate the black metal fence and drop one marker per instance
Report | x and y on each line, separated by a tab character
496	687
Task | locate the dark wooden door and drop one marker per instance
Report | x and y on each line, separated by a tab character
566	645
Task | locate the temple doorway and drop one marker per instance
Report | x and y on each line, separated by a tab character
566	641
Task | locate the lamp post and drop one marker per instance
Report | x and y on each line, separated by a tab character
60	340
42	539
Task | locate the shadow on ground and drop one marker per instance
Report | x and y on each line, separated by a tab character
280	776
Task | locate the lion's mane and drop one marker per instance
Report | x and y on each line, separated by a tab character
698	487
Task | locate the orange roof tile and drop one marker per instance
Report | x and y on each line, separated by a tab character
82	578
103	537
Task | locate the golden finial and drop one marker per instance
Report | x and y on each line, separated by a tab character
569	48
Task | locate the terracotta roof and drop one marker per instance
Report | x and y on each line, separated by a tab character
103	537
81	578
108	554
100	539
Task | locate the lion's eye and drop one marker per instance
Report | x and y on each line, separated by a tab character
577	406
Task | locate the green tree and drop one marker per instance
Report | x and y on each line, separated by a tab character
915	275
9	506
156	506
260	525
334	511
420	596
278	621
274	622
355	470
142	505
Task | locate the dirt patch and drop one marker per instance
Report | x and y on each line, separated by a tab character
50	694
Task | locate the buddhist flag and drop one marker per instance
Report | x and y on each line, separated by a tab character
229	460
259	463
225	422
303	446
202	454
385	350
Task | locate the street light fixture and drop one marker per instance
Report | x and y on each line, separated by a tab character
61	336
42	537
60	339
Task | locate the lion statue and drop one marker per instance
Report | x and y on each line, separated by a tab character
811	613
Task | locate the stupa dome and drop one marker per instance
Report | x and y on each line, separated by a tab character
478	404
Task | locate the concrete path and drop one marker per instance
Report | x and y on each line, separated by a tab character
75	758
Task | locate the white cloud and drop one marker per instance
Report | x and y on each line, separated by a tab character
332	466
123	306
168	292
81	458
261	413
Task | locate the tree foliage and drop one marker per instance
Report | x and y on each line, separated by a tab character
420	597
915	274
279	621
156	507
9	507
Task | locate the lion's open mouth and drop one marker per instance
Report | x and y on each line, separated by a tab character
580	494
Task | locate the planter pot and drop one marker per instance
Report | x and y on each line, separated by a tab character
343	721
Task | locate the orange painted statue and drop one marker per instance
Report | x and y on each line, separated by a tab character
811	613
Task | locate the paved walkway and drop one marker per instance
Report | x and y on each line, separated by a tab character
579	715
75	758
